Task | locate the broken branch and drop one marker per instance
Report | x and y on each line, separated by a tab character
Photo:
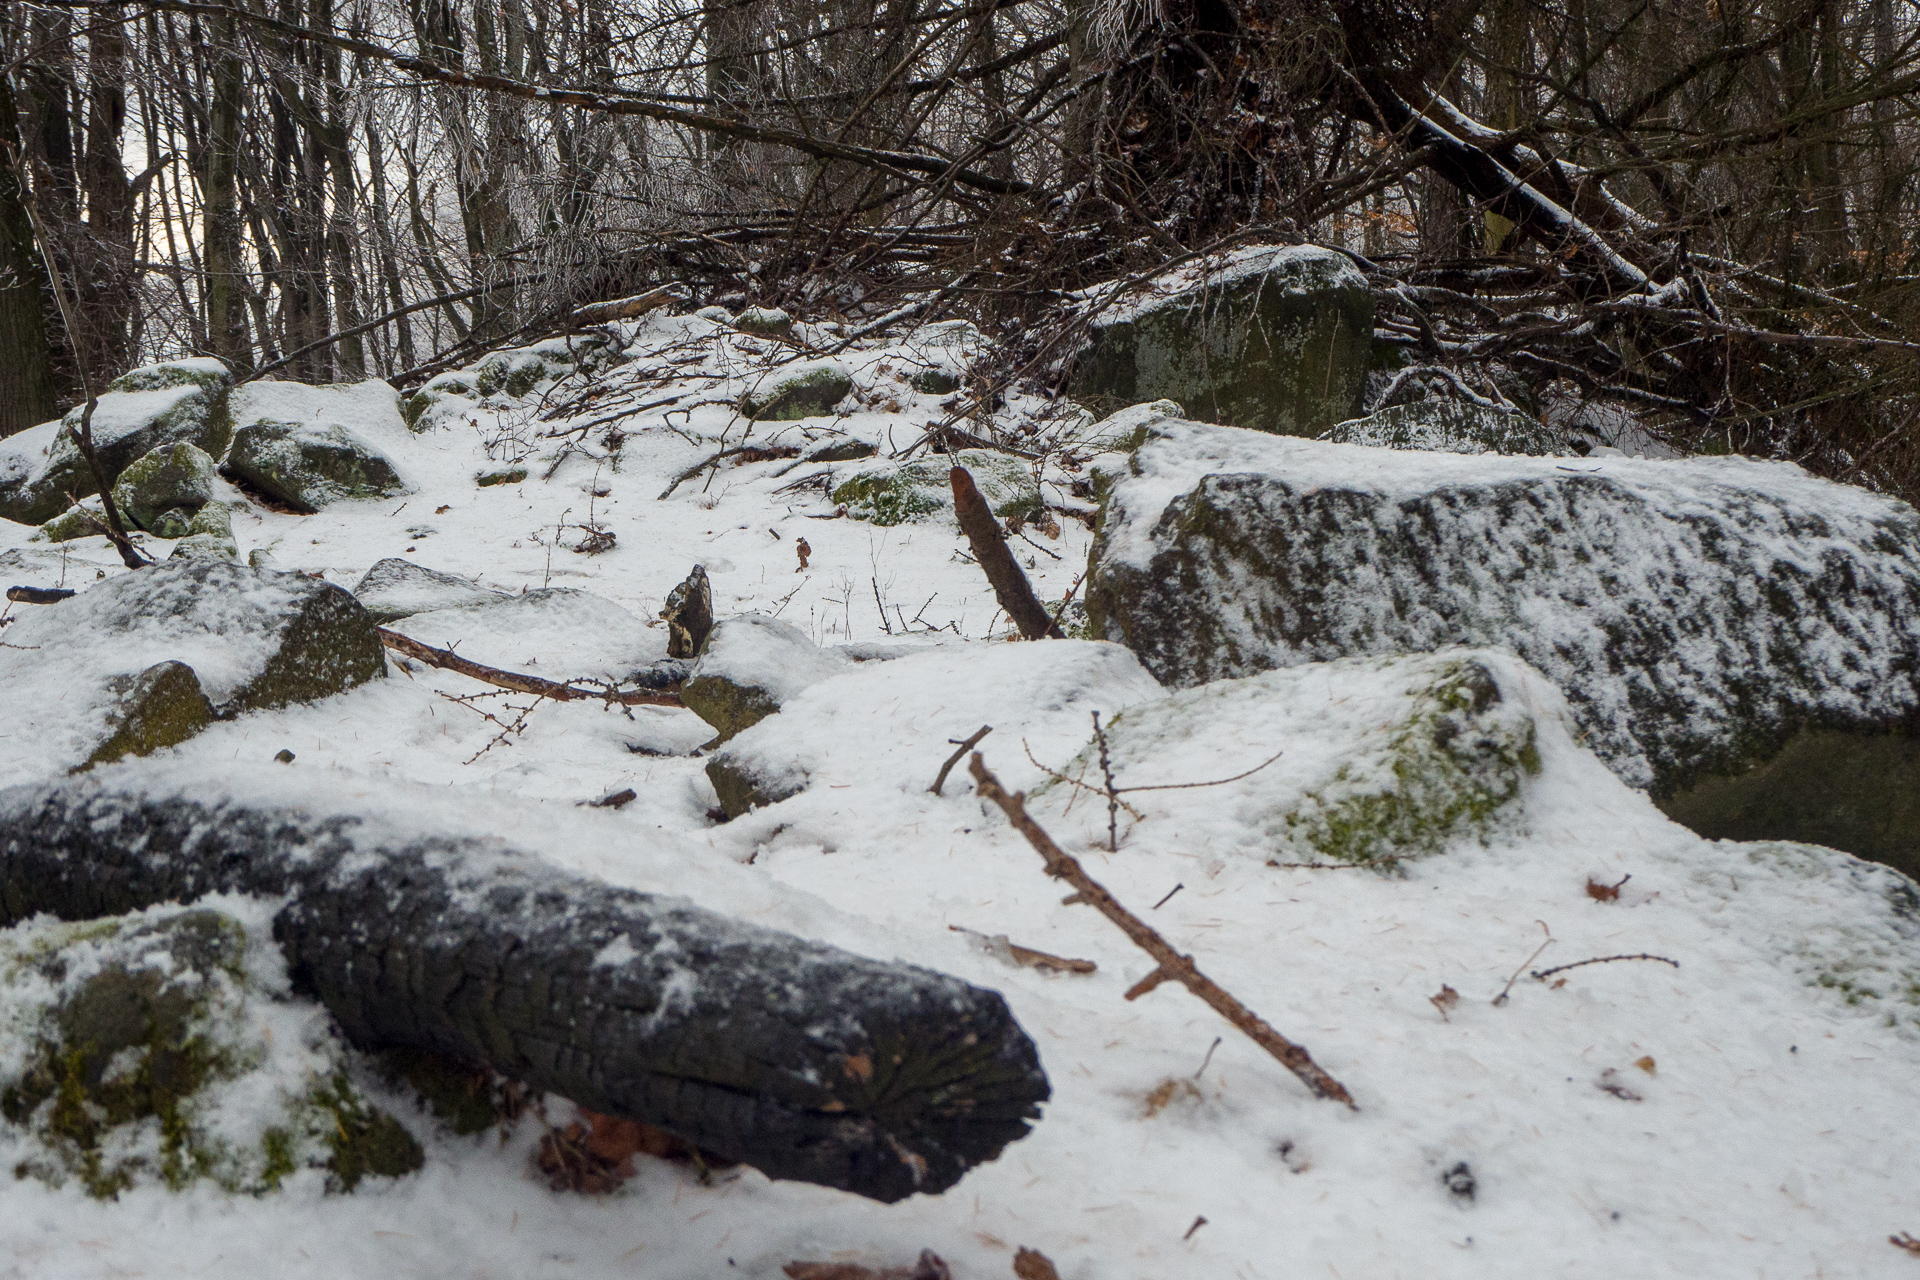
954	759
1172	965
448	660
1010	585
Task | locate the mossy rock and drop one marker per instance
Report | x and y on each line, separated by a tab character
209	536
149	1038
161	707
171	524
83	521
935	382
512	373
899	493
1450	426
1273	340
177	476
505	475
839	451
202	371
764	321
416	410
748	667
739	790
128	425
726	705
801	391
309	466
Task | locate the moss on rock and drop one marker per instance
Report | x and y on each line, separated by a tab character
161	707
309	466
899	493
175	476
1450	426
802	391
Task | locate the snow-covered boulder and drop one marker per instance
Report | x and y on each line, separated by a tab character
749	668
791	392
885	726
151	408
1449	426
87	680
208	536
764	321
1272	339
178	477
161	1049
1700	615
311	446
889	493
396	588
559	633
512	372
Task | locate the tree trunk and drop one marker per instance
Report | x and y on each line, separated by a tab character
803	1060
225	291
26	361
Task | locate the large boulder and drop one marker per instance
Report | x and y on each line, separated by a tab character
1275	340
146	659
889	493
397	588
803	390
1704	617
511	372
154	408
179	476
749	667
311	446
160	1049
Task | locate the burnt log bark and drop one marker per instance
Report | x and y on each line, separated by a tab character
805	1061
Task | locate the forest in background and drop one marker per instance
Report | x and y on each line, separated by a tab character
1704	214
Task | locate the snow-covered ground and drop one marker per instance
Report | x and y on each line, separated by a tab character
1743	1114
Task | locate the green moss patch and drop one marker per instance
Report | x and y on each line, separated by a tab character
890	494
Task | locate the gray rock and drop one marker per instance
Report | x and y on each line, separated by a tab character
171	523
1274	340
797	391
558	633
1450	426
764	321
395	588
179	476
149	409
254	640
890	493
1703	617
154	1061
311	465
689	615
163	706
749	667
208	536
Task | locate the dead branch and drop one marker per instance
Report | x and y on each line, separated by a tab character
448	660
627	308
39	595
1010	585
1172	965
1027	957
1501	999
1544	974
954	759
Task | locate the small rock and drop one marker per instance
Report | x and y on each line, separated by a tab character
395	589
506	475
161	707
309	466
890	493
171	523
839	451
935	382
284	756
689	615
764	321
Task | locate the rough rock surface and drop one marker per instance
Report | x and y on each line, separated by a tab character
749	667
1450	426
804	1060
147	409
1700	615
250	638
803	390
1274	340
162	1052
890	493
397	588
179	476
310	446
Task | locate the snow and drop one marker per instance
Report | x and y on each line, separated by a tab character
1767	1135
767	654
1300	268
557	632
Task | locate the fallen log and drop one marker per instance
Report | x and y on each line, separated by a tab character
1010	586
627	308
800	1059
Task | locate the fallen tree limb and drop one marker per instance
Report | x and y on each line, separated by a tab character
1172	965
628	308
800	1059
1010	585
448	660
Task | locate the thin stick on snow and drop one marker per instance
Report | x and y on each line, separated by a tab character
1544	974
954	759
1172	965
1502	997
448	660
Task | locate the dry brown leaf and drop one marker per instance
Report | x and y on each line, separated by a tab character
1445	1001
1605	892
1645	1064
1163	1094
1031	1264
859	1066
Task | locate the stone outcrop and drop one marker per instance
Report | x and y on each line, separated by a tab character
397	588
890	493
1450	426
127	665
311	446
1704	617
177	477
807	389
154	1061
1276	340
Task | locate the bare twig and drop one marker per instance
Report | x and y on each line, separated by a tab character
1502	997
447	660
1172	965
954	759
1027	957
1543	974
1113	794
